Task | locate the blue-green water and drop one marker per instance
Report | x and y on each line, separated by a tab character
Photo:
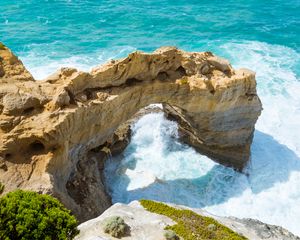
261	35
89	32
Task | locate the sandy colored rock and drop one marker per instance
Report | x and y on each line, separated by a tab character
53	131
11	68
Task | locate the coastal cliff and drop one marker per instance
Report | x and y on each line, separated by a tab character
56	133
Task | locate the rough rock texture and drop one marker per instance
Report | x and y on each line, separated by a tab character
265	231
145	225
53	132
11	68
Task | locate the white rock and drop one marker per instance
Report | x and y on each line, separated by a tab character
145	225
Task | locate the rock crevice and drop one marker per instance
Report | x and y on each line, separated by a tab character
49	127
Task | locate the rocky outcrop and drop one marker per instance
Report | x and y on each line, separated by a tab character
54	132
150	226
11	68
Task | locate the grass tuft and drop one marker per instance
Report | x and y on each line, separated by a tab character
190	225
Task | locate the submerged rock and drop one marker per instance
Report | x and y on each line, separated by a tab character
57	133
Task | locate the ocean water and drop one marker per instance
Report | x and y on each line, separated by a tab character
258	34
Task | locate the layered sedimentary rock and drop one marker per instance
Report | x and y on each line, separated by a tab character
53	132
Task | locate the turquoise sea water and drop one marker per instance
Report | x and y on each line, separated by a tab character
84	33
261	35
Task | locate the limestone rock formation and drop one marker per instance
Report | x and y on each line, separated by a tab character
150	226
11	68
54	132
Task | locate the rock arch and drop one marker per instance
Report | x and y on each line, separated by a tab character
48	128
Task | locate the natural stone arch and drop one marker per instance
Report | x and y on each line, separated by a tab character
48	127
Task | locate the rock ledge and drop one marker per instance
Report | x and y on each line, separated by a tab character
146	225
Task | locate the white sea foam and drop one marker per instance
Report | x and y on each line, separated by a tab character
270	192
278	86
158	161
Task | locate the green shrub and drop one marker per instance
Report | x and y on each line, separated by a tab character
190	225
170	235
115	226
1	188
29	215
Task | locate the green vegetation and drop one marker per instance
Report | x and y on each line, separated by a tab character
190	225
183	80
2	46
115	226
29	215
1	187
170	235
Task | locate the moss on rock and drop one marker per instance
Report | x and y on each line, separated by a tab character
2	46
183	81
190	225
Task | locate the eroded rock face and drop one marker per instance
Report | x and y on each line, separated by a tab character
53	131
